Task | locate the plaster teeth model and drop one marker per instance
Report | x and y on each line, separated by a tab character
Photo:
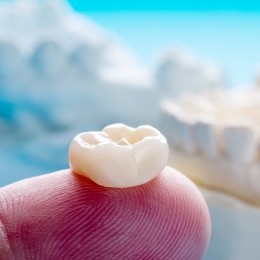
38	63
225	137
240	143
37	58
119	156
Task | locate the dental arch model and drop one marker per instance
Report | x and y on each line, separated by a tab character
214	140
119	156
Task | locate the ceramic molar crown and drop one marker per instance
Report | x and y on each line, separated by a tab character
119	156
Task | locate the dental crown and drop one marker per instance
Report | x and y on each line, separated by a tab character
119	156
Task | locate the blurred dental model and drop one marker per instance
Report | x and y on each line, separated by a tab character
62	69
59	69
215	140
61	74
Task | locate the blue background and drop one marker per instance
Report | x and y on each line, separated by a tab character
165	5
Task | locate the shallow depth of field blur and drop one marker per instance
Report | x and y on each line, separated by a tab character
68	67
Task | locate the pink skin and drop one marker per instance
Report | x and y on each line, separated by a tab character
65	216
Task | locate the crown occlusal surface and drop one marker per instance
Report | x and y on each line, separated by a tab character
119	156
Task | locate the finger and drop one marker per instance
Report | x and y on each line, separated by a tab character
65	216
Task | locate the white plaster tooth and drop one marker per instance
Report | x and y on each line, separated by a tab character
185	133
10	59
87	58
48	58
206	136
174	66
169	109
194	103
240	142
119	156
214	77
180	127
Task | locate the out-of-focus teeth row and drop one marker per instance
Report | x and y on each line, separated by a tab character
207	125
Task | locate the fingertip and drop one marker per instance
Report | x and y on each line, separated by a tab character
66	215
194	216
